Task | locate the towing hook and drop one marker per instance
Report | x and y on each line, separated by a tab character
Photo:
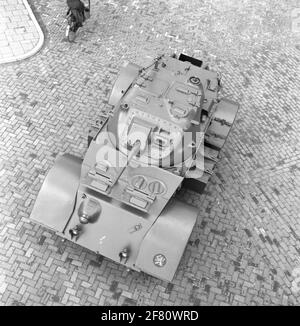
75	232
124	255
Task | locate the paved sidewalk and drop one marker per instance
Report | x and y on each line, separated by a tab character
20	33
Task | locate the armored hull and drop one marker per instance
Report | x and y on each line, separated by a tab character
165	129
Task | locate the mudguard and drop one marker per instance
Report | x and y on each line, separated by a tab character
56	199
221	123
163	246
127	75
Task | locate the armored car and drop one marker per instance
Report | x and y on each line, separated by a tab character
164	129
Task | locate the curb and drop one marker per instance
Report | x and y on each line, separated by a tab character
37	47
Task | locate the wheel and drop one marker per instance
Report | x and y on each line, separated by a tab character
87	13
71	36
71	29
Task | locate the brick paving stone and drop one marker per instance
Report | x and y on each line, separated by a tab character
21	34
246	242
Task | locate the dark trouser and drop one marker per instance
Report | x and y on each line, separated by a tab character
77	9
78	16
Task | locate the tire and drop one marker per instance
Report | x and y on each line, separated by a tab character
87	14
71	37
71	29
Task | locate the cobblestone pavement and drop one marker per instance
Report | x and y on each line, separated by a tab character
245	248
20	34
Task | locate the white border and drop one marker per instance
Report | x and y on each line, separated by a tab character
37	47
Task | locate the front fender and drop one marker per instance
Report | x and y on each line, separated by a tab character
56	199
166	240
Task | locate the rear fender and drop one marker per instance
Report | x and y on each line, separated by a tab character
167	238
221	123
56	199
127	75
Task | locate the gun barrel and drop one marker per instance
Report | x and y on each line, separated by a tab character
134	150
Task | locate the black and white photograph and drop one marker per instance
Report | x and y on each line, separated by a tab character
149	155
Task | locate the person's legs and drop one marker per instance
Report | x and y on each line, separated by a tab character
77	8
77	19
